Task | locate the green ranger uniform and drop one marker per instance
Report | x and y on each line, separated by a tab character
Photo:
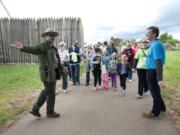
50	70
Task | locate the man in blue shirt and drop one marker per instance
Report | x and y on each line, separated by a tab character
155	61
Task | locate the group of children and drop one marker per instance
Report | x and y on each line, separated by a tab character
106	67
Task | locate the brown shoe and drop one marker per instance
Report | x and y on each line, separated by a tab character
149	115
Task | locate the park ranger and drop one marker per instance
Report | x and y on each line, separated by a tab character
50	70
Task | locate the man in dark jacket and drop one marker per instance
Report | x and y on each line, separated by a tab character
75	53
50	70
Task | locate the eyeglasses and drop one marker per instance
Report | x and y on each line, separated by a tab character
149	33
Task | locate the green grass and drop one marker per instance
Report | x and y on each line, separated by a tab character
11	114
16	82
172	69
172	76
16	78
171	91
82	69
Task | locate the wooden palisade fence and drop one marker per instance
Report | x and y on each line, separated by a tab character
28	31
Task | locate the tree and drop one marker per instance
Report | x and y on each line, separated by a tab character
116	41
164	37
167	38
171	42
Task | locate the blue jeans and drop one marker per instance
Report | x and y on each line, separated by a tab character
75	74
130	75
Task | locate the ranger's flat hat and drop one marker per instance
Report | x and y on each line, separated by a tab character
50	31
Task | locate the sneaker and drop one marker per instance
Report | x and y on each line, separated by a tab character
149	115
35	113
130	80
138	96
123	93
146	93
53	115
105	88
94	89
65	91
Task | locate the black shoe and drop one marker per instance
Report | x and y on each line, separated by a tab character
35	113
87	84
163	110
53	115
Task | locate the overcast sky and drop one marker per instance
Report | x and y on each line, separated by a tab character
105	18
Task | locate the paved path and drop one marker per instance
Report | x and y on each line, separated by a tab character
101	113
